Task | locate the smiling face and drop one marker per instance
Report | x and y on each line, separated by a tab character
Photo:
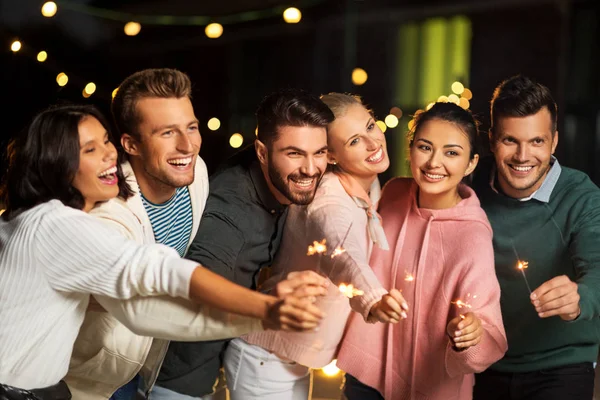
295	162
523	148
439	160
164	157
96	177
357	145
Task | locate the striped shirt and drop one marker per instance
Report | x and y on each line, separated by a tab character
172	221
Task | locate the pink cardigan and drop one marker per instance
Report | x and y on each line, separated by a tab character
327	217
449	252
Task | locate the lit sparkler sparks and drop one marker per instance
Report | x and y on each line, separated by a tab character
338	250
350	291
317	247
463	303
522	266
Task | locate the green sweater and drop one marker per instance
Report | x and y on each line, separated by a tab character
561	237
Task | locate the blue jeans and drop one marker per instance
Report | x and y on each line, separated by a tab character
127	391
161	393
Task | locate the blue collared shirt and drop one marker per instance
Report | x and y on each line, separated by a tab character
544	192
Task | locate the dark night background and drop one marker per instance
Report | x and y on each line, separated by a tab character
555	42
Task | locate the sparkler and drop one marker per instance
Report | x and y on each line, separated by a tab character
317	247
522	266
409	277
463	303
350	291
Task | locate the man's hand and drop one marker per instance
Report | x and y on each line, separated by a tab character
303	285
465	331
558	296
292	314
390	309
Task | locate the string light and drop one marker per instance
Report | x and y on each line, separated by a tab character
85	94
90	88
236	140
114	93
429	106
411	124
391	121
42	56
381	125
359	76
458	87
214	30
15	46
442	99
292	15
453	99
396	111
464	103
467	94
49	9
214	124
132	28
62	79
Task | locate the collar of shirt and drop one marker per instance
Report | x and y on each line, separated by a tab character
544	192
267	199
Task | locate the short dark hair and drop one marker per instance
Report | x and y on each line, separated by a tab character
455	114
161	82
520	96
290	107
43	160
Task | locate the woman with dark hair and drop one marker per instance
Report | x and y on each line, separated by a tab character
53	255
442	259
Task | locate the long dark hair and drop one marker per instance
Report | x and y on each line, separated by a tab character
43	160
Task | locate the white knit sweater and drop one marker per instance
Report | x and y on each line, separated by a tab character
51	258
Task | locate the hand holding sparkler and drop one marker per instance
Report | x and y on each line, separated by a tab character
558	296
390	309
465	330
302	284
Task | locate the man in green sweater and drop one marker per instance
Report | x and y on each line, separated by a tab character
549	217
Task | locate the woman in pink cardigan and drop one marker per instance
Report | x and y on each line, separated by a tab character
270	366
442	259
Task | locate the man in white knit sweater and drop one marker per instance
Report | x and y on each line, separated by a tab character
161	139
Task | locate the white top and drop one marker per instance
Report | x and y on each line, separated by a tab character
51	258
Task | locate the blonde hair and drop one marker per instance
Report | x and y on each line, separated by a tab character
339	103
162	83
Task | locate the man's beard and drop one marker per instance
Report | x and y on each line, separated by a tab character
300	198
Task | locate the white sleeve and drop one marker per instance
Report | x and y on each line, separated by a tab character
177	319
78	253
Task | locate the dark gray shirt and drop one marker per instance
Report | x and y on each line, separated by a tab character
239	233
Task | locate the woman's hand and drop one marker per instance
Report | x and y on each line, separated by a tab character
294	310
390	309
465	331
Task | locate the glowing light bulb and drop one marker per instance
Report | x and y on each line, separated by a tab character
214	124
49	9
236	140
132	28
359	76
213	30
292	15
391	121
